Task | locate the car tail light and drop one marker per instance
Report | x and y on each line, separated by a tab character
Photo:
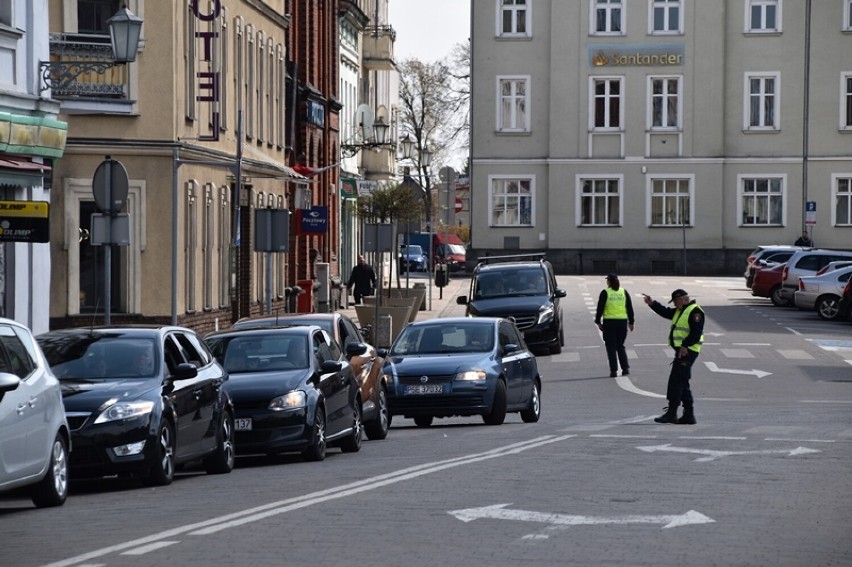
848	289
801	285
821	271
784	273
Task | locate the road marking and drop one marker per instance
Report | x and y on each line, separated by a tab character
736	353
800	440
272	508
831	345
712	438
794	331
795	354
625	384
754	372
499	512
142	550
752	344
711	455
614	436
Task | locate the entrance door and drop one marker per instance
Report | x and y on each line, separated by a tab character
92	268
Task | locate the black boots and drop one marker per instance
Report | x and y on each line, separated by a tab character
669	417
688	417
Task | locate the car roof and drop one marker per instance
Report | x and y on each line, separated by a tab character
140	330
456	321
284	329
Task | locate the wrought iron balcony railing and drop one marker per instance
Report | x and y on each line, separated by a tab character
82	66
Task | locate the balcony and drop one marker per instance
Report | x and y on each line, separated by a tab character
379	163
378	48
108	86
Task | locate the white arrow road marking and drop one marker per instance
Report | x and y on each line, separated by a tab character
753	372
499	512
710	455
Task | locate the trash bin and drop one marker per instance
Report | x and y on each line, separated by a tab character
305	300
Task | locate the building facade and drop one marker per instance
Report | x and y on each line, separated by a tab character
31	138
660	136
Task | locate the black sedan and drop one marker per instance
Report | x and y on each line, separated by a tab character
141	401
461	367
292	388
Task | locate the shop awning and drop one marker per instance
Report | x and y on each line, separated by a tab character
21	172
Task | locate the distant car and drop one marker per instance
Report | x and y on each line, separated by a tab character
412	259
767	283
806	262
141	400
521	288
768	260
831	266
822	292
34	435
461	367
293	390
366	366
763	253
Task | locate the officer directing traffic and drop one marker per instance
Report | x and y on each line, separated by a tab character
685	337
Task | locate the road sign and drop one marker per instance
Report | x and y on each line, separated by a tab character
459	205
810	212
110	185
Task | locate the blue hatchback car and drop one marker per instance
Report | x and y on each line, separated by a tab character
461	367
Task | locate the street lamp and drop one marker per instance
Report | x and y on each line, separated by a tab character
124	31
364	140
408	147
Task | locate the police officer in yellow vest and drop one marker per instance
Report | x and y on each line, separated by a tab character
685	337
614	314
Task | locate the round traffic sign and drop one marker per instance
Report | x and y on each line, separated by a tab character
459	205
110	185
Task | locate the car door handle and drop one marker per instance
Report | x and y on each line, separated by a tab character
21	408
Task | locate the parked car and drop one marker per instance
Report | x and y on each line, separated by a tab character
366	366
526	291
412	259
822	292
844	306
293	390
764	252
462	367
141	400
831	266
767	282
805	263
34	435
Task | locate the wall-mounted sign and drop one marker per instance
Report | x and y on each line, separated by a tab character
316	113
636	55
313	220
208	82
24	221
348	188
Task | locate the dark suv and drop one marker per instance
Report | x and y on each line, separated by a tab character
523	289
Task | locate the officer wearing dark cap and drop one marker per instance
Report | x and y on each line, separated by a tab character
685	337
613	316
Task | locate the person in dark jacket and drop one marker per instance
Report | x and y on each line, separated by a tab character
804	240
363	278
613	317
685	337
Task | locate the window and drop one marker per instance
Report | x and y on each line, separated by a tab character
599	201
671	202
6	12
842	188
666	16
207	244
607	103
763	16
190	243
761	105
513	104
511	201
224	246
93	15
513	18
762	200
846	100
665	102
607	17
847	15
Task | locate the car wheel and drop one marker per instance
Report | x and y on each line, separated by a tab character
533	411
162	472
827	307
423	420
53	488
775	297
498	408
378	428
316	452
222	460
352	442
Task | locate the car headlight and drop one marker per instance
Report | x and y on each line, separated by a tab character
124	410
290	400
471	376
545	314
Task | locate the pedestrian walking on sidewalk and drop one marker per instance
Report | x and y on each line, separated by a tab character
613	317
685	337
363	278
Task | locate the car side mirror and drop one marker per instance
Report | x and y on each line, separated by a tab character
8	382
184	371
355	349
382	352
330	366
558	292
509	348
461	300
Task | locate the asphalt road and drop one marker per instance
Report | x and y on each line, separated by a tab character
762	479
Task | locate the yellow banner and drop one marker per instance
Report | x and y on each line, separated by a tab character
26	209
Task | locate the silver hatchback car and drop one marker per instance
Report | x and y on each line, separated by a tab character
34	437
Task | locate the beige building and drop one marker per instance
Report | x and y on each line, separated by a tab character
660	136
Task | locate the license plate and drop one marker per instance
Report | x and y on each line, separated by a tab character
242	424
418	389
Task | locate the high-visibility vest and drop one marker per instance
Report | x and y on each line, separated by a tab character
616	304
680	329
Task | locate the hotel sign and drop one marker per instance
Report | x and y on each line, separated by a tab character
636	55
208	82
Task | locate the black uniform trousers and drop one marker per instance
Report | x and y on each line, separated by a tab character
614	334
678	389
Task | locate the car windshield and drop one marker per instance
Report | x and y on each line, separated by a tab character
101	357
503	283
446	338
455	249
412	250
256	352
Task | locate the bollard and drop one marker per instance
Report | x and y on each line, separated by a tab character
382	332
422	286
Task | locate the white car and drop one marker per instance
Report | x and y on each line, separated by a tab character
34	436
822	292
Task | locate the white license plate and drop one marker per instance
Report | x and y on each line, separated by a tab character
242	424
418	389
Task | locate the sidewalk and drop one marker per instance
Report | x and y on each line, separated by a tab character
445	306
